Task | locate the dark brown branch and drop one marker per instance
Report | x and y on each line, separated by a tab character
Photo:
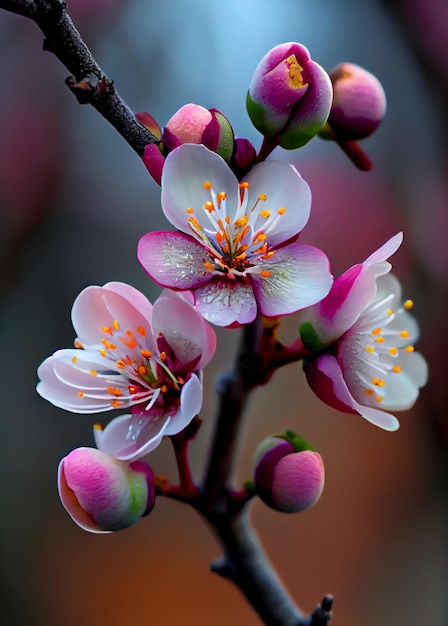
88	82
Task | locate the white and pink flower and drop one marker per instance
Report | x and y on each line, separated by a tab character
237	250
360	341
131	354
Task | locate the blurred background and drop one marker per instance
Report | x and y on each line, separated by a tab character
75	199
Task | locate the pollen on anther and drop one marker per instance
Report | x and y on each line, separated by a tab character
107	329
378	382
207	185
281	210
93	373
376	331
265	273
379	340
162	356
369	392
114	391
146	353
80	394
397	369
262	196
370	349
163	388
98	427
244	185
390	311
208	206
265	213
78	345
103	352
404	334
116	403
409	349
379	399
116	325
74	359
120	364
141	370
189	210
393	351
408	305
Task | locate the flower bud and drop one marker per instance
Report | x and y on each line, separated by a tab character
103	494
244	157
289	476
359	102
290	96
195	124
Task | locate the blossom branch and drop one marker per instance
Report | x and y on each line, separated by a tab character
88	81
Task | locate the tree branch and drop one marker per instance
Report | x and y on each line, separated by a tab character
88	82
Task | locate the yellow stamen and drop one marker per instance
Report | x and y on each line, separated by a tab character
98	427
243	185
262	196
265	213
379	399
404	334
120	364
390	312
78	345
207	184
409	349
103	352
162	356
265	273
281	210
369	392
189	210
378	382
93	373
208	206
376	331
379	340
116	403
114	391
370	349
80	394
107	329
407	306
142	370
146	353
393	351
116	325
74	359
163	388
141	331
397	369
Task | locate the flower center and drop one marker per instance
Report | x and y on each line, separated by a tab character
239	243
385	346
139	376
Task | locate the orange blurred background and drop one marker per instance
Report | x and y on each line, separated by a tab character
74	200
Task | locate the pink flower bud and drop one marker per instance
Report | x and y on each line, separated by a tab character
103	494
286	479
359	102
194	124
244	157
289	96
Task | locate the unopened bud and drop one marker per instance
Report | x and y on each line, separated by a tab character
290	96
289	477
359	102
193	123
103	494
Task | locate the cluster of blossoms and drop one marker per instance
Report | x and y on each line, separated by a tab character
235	255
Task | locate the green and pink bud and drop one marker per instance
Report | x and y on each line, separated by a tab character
103	494
290	96
359	103
289	476
193	123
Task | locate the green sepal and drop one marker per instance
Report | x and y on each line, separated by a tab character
310	338
226	144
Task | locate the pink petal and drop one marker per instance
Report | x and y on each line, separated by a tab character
284	188
98	307
185	171
325	378
188	334
299	277
225	302
190	405
115	440
173	260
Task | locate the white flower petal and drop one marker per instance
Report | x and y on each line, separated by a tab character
190	405
186	170
225	302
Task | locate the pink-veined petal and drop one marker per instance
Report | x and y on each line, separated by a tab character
225	302
299	277
285	189
350	294
115	439
97	307
325	378
190	405
174	260
188	334
186	170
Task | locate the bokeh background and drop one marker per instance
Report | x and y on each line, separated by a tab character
74	200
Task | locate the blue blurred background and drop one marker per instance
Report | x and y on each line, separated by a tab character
74	200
